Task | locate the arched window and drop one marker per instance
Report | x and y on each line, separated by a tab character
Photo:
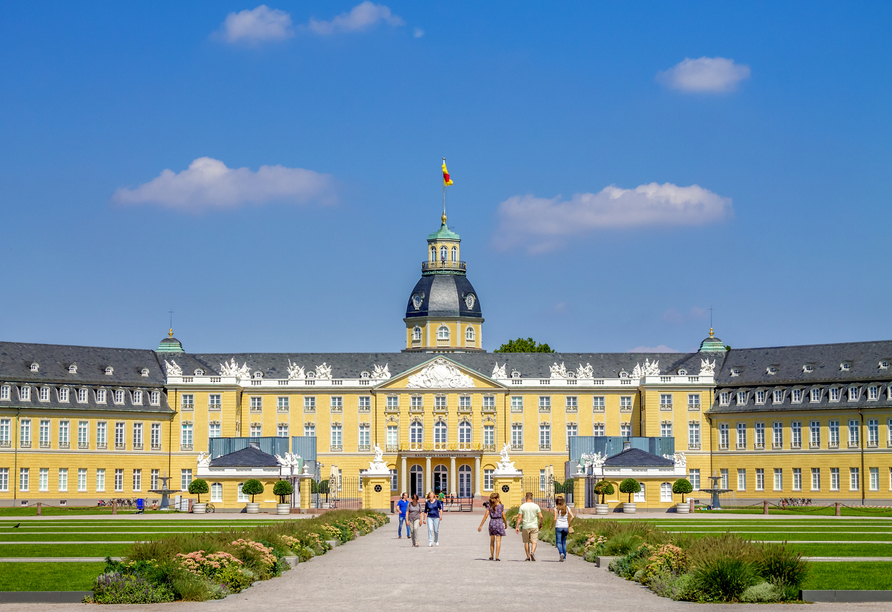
217	492
443	335
416	435
440	435
416	481
441	479
666	492
443	253
416	334
639	497
464	481
464	435
454	253
469	335
433	254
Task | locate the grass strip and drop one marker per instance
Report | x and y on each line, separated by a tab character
48	576
854	576
844	550
63	550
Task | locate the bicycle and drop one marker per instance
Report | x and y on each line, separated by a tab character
210	508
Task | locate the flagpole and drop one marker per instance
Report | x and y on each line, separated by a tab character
444	196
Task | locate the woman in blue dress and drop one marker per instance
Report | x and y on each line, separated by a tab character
495	511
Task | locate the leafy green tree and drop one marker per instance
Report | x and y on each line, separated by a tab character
524	346
603	488
282	489
320	487
630	486
252	487
197	487
682	487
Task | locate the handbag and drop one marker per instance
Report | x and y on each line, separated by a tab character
570	530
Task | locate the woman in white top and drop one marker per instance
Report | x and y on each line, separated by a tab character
563	516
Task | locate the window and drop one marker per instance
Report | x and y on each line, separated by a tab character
544	403
156	435
393	439
487	480
310	404
796	396
598	429
874	478
336	403
834	394
666	492
639	496
256	404
44	434
741	480
365	403
816	479
137	480
4	395
724	478
797	479
759	429
416	334
544	436
834	479
625	403
833	429
101	435
137	436
854	479
741	435
100	396
777	397
24	477
571	403
469	335
309	430
336	437
256	430
725	398
454	254
571	432
43	483
440	433
25	432
693	401
185	479
464	435
489	437
442	335
625	430
186	435
119	396
517	436
217	492
853	394
109	370
4	431
741	398
393	402
694	434
778	479
137	398
214	429
854	433
242	497
282	430
282	404
64	434
440	402
760	397
416	402
100	480
665	401
666	429
119	435
889	433
215	402
814	434
25	394
694	477
796	434
81	480
760	479
365	436
416	435
777	430
516	403
723	435
873	432
598	403
44	394
814	395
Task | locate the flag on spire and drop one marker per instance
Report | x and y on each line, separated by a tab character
446	179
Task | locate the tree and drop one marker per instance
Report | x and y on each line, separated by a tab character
197	487
320	487
282	489
603	488
524	346
252	487
682	487
630	485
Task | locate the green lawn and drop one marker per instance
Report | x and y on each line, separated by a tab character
63	550
48	576
845	550
806	511
849	576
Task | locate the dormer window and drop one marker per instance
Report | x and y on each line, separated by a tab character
884	365
199	372
834	394
137	397
760	397
25	394
623	374
724	398
682	372
82	396
772	370
815	395
853	394
808	368
35	367
72	369
364	375
109	370
63	394
873	392
741	398
258	375
44	395
144	372
515	374
845	366
155	398
796	396
311	374
735	371
119	396
100	396
4	392
777	397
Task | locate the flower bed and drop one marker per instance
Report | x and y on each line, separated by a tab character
203	566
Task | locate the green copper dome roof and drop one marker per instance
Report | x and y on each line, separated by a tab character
444	233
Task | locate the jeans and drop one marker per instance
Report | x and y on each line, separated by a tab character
399	529
414	525
560	537
433	529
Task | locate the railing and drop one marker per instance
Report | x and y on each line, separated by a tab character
489	409
137	447
545	447
156	447
83	445
336	448
44	445
25	444
63	445
283	409
215	407
666	407
491	447
185	447
392	448
693	406
364	448
101	446
437	266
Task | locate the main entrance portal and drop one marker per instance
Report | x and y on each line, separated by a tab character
464	481
416	481
441	474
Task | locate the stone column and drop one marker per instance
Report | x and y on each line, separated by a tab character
579	492
403	476
428	477
509	488
376	493
305	493
477	481
452	476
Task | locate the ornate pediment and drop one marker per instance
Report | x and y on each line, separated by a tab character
440	374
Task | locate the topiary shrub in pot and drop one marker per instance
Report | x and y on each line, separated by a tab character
252	487
682	487
197	487
283	489
603	488
630	486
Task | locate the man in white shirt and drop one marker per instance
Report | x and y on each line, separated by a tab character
528	521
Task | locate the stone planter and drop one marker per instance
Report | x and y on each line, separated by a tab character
283	508
199	508
629	507
683	508
252	508
602	508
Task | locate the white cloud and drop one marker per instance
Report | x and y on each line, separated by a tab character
257	25
208	184
705	75
542	224
361	17
418	33
661	348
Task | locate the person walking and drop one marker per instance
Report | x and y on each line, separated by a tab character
497	523
563	516
413	518
401	507
433	510
528	521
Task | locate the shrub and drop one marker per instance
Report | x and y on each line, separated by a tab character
760	593
208	565
197	487
630	486
781	565
603	488
630	564
118	588
725	578
192	587
682	487
622	544
282	489
667	559
252	487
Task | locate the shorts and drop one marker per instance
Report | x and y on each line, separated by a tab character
531	535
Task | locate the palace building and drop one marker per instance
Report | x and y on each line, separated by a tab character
79	424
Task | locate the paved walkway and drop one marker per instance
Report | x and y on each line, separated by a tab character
380	572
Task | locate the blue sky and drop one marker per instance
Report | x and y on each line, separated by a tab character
323	125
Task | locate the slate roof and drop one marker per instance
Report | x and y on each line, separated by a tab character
635	457
444	296
246	457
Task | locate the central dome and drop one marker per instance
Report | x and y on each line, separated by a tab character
443	295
